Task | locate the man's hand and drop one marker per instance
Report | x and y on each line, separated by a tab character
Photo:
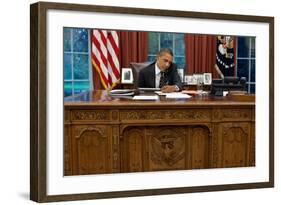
168	89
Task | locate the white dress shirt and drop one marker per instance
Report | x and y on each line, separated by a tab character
157	76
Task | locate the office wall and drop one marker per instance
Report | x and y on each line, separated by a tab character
14	109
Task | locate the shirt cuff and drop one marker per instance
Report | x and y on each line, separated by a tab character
177	88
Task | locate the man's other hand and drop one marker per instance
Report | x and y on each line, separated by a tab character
168	89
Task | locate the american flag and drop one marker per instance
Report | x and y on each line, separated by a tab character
105	56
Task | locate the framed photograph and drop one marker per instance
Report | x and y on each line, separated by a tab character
198	77
190	80
207	78
127	76
181	74
113	131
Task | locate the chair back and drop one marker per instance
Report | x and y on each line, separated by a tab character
136	67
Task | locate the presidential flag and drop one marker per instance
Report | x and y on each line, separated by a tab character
225	56
105	56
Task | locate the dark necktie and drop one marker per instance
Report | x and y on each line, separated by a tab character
163	79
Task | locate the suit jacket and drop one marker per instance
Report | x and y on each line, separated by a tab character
147	76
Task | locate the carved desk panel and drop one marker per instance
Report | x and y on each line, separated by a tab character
103	134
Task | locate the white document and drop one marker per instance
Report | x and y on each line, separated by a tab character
145	97
177	95
160	93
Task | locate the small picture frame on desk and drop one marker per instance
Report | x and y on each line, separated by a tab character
190	80
127	76
207	78
181	74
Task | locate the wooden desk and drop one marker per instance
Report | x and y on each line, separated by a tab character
104	134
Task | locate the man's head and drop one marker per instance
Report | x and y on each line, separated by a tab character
164	59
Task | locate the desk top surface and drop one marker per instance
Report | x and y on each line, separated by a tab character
103	98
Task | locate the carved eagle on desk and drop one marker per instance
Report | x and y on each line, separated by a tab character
167	147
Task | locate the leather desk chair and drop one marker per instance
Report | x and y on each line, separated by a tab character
136	67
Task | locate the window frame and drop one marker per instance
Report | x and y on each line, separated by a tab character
249	58
72	52
173	47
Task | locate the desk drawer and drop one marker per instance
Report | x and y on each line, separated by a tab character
233	114
173	114
90	115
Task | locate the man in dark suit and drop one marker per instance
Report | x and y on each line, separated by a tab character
161	74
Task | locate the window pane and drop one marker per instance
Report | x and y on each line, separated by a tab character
175	42
153	44
179	44
243	68
243	46
81	66
151	58
67	88
76	65
80	40
81	86
253	70
180	61
253	47
66	39
253	88
166	40
67	66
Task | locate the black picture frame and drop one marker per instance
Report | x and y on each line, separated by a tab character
38	100
127	76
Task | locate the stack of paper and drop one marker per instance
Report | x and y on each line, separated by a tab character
122	92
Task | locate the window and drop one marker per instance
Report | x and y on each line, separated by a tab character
78	68
246	61
76	61
173	41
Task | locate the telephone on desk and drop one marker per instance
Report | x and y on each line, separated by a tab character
227	84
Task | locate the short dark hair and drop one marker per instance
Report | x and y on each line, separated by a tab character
165	50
